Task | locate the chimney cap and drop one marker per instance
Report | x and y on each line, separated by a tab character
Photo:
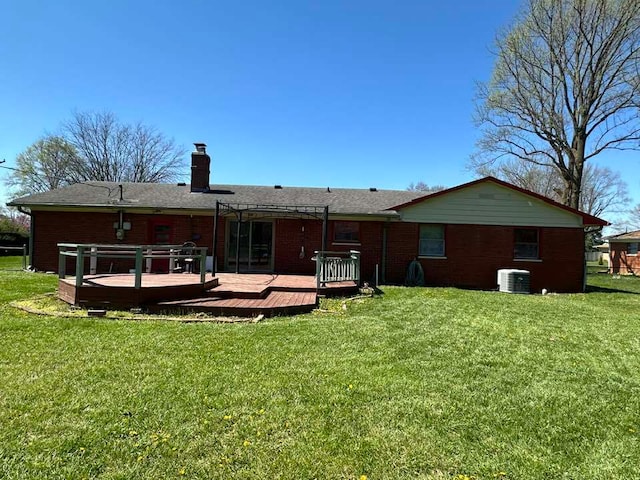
201	147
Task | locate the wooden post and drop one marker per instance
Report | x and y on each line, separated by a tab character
319	260
238	242
325	221
215	239
79	265
172	260
203	263
148	262
62	261
138	273
356	256
93	262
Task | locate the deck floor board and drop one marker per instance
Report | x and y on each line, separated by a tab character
226	293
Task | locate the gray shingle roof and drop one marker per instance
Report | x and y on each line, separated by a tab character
171	196
627	236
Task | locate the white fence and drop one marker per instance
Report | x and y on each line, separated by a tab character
593	256
332	267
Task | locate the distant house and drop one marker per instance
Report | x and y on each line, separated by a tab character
623	253
460	236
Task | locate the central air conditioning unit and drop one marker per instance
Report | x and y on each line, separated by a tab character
511	280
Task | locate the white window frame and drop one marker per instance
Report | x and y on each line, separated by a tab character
431	247
536	243
346	241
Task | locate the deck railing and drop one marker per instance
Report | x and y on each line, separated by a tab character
138	253
334	267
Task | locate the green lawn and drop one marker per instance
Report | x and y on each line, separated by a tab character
416	383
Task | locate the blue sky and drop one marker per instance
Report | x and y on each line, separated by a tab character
323	93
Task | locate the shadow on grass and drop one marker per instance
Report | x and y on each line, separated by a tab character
597	289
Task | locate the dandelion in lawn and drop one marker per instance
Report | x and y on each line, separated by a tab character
261	411
363	477
500	474
182	471
227	417
350	386
246	443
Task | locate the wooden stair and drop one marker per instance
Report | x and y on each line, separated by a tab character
246	304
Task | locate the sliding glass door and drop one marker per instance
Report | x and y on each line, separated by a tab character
252	248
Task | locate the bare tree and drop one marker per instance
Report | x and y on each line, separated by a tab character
629	222
565	88
47	164
423	187
603	190
113	151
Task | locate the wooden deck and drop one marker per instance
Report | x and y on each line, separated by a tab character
118	290
226	294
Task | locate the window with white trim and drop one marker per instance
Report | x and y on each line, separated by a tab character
346	232
526	243
431	241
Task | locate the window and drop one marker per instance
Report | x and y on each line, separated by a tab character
632	248
346	232
526	243
431	241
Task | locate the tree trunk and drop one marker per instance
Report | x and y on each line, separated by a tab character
572	175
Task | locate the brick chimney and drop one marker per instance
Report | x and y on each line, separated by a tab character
200	163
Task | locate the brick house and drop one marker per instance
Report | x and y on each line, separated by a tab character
461	236
623	253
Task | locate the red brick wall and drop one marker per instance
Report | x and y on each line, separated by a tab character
474	253
621	262
52	228
290	237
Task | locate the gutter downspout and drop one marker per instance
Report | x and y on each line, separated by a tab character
32	230
383	267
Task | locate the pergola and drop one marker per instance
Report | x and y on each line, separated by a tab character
317	212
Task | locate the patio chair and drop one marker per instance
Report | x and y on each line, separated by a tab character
187	257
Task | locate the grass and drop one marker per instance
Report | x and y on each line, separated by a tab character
417	383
